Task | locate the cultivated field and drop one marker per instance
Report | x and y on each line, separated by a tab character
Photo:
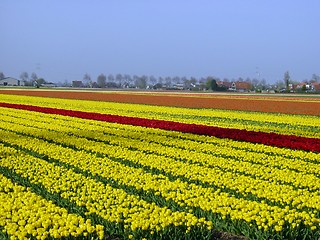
133	165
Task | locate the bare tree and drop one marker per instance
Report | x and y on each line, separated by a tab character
193	81
2	75
24	76
153	80
33	78
254	82
203	82
263	84
87	80
176	80
168	82
146	79
135	80
280	85
101	80
66	83
315	78
141	82
110	78
128	80
185	82
160	80
119	79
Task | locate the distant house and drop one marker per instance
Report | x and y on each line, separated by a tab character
226	85
178	86
313	87
237	86
316	86
242	86
9	81
301	86
49	84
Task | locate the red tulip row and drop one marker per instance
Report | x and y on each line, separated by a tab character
271	139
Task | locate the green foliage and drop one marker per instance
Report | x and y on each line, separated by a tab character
287	79
39	82
211	84
304	88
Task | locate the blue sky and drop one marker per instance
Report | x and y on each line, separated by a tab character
63	40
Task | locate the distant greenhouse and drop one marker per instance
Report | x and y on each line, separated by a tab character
9	81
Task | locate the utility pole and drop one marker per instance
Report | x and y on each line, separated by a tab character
258	73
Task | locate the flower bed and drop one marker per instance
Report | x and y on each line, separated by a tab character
131	176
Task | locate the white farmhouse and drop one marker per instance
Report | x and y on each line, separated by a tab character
9	81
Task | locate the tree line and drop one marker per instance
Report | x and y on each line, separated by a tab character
177	82
151	82
144	81
204	83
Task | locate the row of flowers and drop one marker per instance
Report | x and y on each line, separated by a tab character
272	139
112	204
299	125
299	173
72	145
217	201
303	174
25	214
285	158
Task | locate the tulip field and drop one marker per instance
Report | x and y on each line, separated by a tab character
85	169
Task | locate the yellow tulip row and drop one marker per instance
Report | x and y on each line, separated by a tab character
181	192
208	155
264	181
265	122
114	205
301	161
24	214
193	195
